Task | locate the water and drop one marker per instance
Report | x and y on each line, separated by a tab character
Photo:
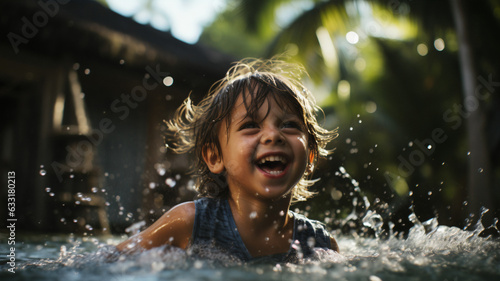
428	252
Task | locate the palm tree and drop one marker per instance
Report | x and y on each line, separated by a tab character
434	17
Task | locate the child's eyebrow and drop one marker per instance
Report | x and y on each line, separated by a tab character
291	115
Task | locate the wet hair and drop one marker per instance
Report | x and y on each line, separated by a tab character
194	127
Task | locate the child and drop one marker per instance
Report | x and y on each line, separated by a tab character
256	139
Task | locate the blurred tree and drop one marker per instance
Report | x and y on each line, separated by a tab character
315	38
385	72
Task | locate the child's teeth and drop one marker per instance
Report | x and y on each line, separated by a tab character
272	159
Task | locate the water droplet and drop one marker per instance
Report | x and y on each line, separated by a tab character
161	171
87	71
168	81
351	128
198	264
480	170
253	215
122	61
47	189
95	189
170	182
429	147
282	213
342	170
267	239
43	172
152	185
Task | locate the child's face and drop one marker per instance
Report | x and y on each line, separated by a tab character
265	157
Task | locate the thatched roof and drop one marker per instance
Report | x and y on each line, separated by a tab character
87	28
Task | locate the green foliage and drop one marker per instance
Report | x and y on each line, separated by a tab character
230	34
395	97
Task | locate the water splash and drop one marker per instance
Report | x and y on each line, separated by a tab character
430	251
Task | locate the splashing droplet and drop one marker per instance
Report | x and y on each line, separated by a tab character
168	81
43	172
170	182
253	215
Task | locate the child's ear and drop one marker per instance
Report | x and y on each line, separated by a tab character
213	159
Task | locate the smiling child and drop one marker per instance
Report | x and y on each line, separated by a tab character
256	140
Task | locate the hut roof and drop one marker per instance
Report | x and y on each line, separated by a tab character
89	29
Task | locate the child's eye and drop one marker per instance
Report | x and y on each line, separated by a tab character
292	125
249	125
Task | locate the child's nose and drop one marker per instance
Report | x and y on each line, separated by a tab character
272	135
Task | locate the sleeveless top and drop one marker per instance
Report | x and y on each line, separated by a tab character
214	226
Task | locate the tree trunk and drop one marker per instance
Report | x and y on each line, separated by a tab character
479	168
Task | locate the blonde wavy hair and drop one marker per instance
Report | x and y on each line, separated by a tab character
193	127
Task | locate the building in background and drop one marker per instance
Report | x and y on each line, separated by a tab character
83	95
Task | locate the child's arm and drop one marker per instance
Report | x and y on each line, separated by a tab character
173	228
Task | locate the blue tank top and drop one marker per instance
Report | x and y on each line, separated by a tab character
214	225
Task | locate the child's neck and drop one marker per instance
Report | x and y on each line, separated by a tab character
261	213
265	226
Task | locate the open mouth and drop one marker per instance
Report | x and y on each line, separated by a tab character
273	164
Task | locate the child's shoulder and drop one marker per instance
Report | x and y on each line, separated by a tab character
175	225
173	228
184	210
